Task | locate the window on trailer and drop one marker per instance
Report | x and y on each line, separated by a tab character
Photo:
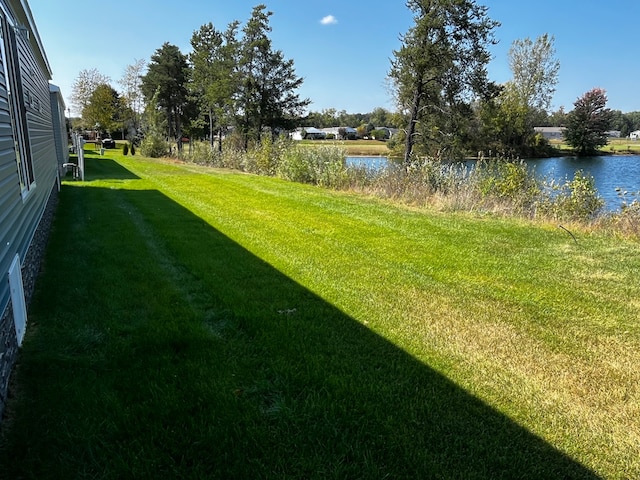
17	108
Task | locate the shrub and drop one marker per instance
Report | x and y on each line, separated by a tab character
628	219
199	152
419	182
265	156
379	134
324	165
508	182
575	199
154	146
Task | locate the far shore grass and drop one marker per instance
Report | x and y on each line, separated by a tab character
353	148
615	146
193	322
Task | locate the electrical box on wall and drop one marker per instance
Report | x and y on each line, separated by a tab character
17	299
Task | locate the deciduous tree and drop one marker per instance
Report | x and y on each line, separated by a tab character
535	71
440	68
103	108
155	123
525	99
588	122
557	118
380	117
131	83
84	85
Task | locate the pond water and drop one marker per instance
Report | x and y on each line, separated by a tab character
375	163
609	172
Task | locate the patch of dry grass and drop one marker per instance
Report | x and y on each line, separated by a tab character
353	148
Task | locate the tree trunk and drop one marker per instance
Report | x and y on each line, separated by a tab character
178	131
211	127
411	128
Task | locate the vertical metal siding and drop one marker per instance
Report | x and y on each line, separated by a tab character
59	126
39	121
9	189
19	218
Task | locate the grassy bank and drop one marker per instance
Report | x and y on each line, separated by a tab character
615	146
353	148
199	323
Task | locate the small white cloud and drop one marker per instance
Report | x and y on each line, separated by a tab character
329	20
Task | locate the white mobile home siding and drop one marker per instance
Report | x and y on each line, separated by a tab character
59	126
20	216
22	209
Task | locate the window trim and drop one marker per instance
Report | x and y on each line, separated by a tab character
17	108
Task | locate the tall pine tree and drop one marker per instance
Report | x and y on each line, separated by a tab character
167	76
267	95
215	77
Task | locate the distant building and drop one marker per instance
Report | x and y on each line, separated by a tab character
551	133
635	135
308	133
342	133
613	133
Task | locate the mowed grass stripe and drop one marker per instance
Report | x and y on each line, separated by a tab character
274	329
533	289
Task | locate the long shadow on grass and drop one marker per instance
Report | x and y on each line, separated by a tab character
103	168
212	364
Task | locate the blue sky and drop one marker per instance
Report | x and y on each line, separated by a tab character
345	58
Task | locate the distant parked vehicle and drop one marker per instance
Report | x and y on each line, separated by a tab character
108	143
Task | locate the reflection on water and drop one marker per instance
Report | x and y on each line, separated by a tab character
609	173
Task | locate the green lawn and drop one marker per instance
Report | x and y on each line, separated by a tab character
199	323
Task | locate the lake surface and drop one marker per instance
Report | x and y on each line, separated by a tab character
374	163
609	172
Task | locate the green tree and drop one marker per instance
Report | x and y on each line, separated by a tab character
380	117
634	120
155	126
215	77
535	71
104	108
84	85
440	68
620	122
525	99
167	76
588	122
267	95
557	118
511	118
